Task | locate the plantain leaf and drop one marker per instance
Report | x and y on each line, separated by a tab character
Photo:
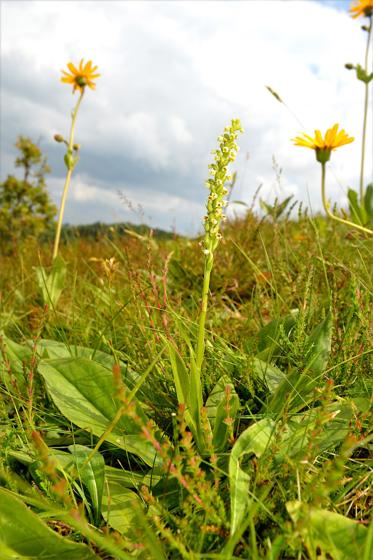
254	440
222	405
120	505
271	375
84	391
269	335
91	473
318	346
296	389
13	357
332	533
52	284
24	536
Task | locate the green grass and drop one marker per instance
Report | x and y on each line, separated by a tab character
95	445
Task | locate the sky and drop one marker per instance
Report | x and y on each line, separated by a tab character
173	75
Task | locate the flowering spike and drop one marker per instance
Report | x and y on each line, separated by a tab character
216	183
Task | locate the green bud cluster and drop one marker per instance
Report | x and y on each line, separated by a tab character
218	171
361	73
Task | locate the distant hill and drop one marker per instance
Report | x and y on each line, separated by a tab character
98	230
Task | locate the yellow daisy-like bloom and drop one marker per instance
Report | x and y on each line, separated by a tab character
80	77
323	146
361	8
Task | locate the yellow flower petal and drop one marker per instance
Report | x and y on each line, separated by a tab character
72	68
84	74
331	140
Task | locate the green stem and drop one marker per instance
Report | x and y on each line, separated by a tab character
327	206
209	259
68	177
366	104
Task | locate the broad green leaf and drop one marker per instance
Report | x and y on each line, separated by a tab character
84	391
23	536
131	479
119	505
52	284
269	335
318	346
334	534
220	406
16	356
91	474
64	462
296	389
51	349
271	375
335	419
254	440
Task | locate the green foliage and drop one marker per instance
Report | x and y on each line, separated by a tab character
277	209
332	533
24	535
25	206
91	471
361	213
363	75
52	284
83	391
106	426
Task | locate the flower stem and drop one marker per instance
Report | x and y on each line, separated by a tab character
209	259
366	102
68	176
327	206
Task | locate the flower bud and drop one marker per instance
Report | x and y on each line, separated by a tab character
58	138
349	66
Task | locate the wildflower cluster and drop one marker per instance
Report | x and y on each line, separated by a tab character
216	184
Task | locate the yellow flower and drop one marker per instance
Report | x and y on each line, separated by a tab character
323	146
80	77
361	8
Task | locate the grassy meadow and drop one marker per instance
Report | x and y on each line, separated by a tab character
283	471
165	397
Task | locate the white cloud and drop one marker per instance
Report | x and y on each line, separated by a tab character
130	202
173	74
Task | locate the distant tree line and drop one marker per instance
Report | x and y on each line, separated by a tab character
26	209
